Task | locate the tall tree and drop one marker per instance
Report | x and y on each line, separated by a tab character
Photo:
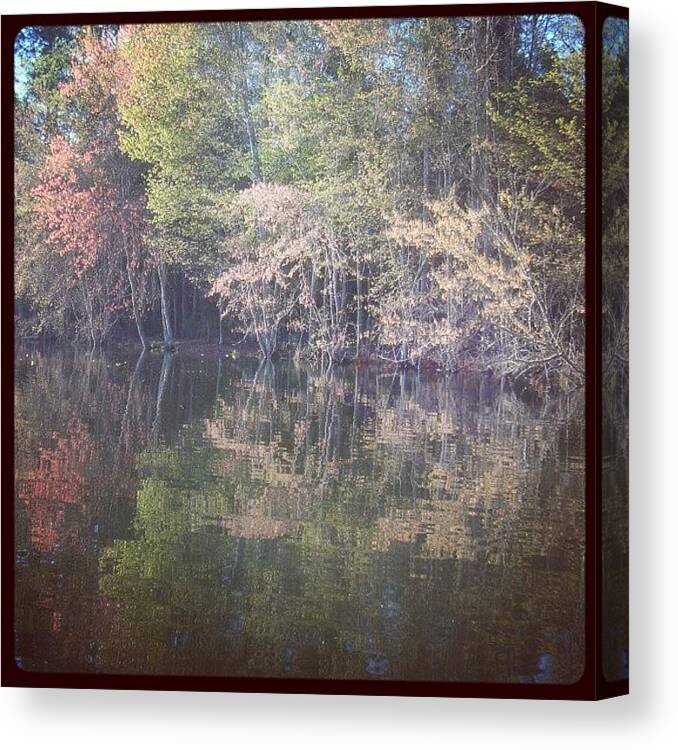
89	198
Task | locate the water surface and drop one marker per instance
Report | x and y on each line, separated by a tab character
199	515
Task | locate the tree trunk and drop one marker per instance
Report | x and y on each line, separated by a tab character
220	309
168	335
247	110
357	308
177	323
135	308
140	331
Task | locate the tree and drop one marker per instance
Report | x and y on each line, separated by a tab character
40	276
411	188
180	115
284	269
88	198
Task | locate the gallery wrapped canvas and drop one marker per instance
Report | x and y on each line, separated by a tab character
316	336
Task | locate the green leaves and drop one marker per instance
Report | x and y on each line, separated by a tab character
285	157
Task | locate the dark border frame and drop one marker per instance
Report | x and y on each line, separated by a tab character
592	684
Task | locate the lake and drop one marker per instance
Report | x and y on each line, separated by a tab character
204	515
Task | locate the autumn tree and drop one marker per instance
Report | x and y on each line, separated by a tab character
40	275
284	270
182	116
88	200
408	188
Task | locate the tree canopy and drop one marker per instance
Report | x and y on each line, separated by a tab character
410	189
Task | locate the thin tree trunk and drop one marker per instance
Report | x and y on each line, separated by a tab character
168	336
357	308
135	309
247	110
220	309
175	305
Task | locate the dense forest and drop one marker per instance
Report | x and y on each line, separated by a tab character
403	189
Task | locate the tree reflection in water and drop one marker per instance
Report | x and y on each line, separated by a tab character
204	517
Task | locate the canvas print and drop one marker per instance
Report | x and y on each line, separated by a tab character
299	349
615	348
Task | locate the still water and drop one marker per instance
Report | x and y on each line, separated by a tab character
191	514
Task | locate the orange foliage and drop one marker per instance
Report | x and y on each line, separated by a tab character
57	482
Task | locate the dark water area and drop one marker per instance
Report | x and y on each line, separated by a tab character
199	515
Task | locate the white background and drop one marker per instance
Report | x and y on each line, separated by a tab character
646	719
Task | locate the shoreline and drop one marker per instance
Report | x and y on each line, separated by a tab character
369	358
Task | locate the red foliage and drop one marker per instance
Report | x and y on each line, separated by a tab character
83	212
57	482
97	70
89	198
73	209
